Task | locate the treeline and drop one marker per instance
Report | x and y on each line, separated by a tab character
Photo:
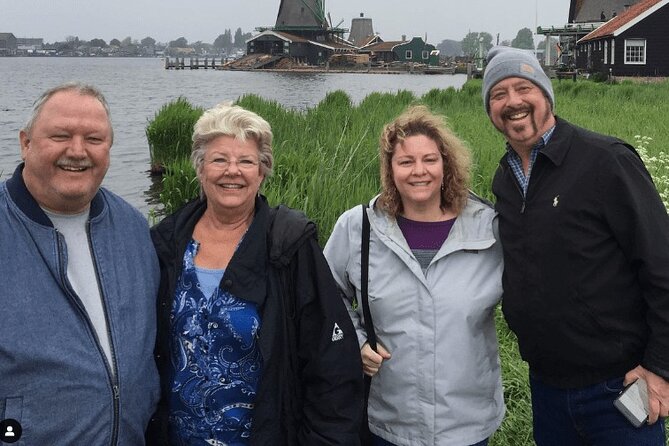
475	43
472	46
225	43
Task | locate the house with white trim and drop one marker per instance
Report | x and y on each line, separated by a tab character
633	43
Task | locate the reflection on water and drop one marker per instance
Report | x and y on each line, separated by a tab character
136	88
151	195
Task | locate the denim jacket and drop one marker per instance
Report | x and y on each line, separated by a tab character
55	379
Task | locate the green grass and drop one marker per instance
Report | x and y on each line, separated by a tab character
169	132
326	161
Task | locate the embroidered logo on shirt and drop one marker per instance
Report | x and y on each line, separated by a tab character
555	201
337	333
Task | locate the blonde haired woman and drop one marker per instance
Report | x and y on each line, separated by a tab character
435	268
248	308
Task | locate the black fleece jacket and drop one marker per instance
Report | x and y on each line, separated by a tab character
586	259
311	390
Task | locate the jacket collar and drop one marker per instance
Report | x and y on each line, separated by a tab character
245	275
247	271
558	146
273	237
29	206
472	229
555	150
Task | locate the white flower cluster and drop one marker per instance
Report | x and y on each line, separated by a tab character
657	165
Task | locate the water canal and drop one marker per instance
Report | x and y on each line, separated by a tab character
136	88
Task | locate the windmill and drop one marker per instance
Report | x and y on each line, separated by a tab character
303	32
307	18
301	14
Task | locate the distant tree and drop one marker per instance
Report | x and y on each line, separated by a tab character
115	42
199	46
67	45
470	44
224	40
228	33
524	39
72	39
505	43
126	42
239	39
181	42
98	42
450	48
148	41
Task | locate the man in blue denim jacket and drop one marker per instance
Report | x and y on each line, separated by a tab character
79	281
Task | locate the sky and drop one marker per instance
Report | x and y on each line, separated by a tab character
204	20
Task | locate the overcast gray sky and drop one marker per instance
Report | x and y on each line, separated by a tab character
204	20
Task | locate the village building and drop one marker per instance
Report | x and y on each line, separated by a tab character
362	31
597	11
633	43
416	51
302	33
584	17
8	44
29	45
281	44
305	36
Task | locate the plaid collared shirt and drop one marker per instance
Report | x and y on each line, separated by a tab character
517	165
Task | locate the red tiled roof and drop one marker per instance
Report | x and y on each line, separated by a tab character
628	17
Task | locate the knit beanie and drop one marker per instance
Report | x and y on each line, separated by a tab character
505	62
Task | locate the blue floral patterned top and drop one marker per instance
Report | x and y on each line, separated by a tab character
216	362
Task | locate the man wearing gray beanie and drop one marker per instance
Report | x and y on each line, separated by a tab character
585	237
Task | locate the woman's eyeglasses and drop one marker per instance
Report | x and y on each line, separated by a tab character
221	163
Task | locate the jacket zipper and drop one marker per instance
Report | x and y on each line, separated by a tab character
514	180
522	194
114	366
113	377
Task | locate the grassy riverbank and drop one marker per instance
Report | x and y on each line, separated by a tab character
326	162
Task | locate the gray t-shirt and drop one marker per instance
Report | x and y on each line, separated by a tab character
81	272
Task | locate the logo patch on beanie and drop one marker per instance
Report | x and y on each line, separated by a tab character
525	68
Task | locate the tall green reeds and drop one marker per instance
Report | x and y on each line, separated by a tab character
326	161
180	185
169	132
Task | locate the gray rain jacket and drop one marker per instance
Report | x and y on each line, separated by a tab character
442	385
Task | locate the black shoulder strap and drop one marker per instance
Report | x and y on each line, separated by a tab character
364	280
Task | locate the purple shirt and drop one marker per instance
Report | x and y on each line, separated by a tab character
425	237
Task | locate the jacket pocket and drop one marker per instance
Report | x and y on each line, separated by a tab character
13	408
